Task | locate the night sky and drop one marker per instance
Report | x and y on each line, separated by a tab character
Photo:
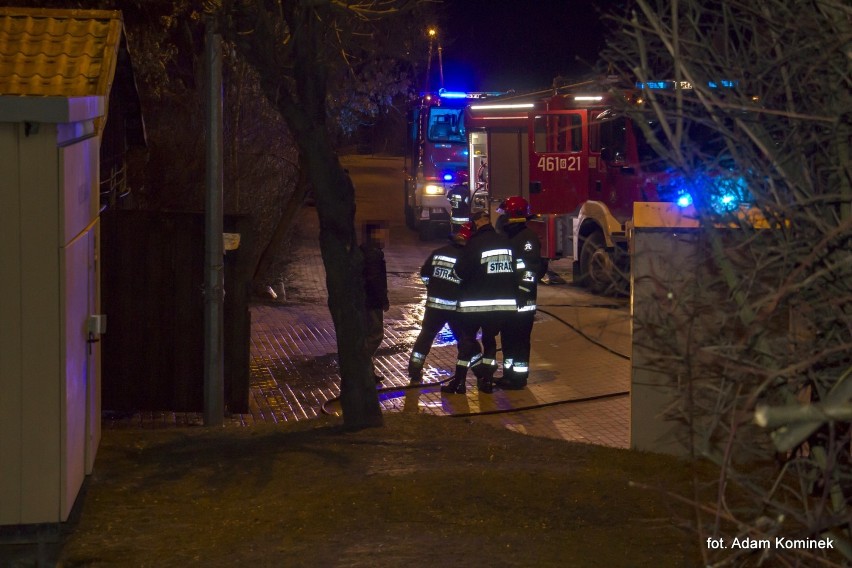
504	44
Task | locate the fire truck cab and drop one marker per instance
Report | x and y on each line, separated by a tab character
579	165
436	158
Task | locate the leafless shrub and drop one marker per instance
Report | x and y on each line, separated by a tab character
762	326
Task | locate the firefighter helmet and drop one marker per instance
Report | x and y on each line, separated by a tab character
516	208
464	233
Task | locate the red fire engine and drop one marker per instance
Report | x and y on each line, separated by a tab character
580	165
436	157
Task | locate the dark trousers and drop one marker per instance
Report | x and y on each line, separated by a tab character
491	327
375	324
516	347
433	321
482	360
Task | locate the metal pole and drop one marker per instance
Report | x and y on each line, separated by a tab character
429	64
214	289
441	65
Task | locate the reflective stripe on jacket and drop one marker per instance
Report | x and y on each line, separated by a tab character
487	271
439	275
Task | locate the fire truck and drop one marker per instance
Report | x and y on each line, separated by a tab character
580	164
436	157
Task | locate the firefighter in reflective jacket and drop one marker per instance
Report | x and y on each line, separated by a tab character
442	294
529	268
459	197
486	301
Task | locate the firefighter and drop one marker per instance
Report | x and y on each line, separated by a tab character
530	267
442	294
459	197
486	301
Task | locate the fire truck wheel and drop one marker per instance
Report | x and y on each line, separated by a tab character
598	272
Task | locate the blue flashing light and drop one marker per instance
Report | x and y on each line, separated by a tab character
448	177
720	192
444	94
656	85
724	84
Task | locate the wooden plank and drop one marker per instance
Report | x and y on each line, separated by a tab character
40	333
10	331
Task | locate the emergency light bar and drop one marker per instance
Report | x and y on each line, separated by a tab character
676	85
723	84
465	95
588	98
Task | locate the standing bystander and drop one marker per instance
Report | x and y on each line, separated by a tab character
375	287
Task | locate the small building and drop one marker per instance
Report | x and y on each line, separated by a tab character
57	69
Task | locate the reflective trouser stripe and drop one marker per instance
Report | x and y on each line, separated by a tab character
507	363
489	362
474	361
417	357
497	305
440	303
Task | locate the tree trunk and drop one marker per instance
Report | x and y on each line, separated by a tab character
345	281
300	93
335	197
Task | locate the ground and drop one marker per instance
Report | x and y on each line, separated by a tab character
420	491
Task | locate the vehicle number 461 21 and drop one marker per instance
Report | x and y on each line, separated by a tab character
558	164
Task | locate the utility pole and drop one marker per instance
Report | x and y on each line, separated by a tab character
432	32
214	277
440	64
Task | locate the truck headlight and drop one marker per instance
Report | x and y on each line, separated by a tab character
433	189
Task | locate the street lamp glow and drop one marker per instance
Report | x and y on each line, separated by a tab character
432	32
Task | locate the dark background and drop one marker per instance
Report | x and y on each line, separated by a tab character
503	44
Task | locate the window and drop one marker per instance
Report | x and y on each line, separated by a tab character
558	133
612	137
446	125
540	139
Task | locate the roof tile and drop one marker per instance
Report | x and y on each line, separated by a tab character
58	52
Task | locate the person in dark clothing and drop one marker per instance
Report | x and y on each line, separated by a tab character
442	294
459	198
530	267
375	287
486	301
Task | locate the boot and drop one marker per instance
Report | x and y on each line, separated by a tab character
415	373
511	381
508	384
455	386
485	384
458	383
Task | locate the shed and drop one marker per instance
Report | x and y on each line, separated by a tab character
56	73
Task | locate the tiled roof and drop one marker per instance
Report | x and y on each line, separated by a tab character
58	52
